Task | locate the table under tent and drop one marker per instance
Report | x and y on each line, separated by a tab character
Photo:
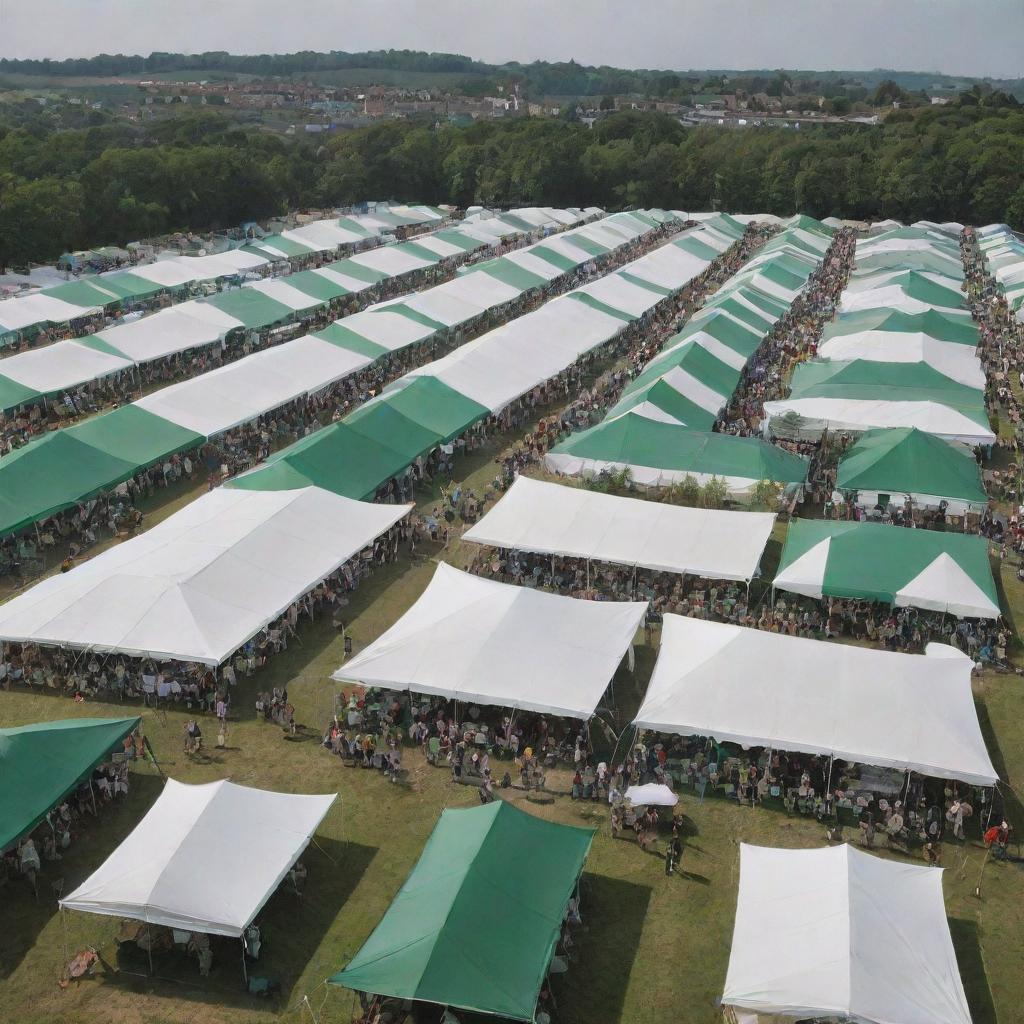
478	862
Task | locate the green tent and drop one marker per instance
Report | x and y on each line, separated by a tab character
656	452
929	569
320	288
421	253
742	338
908	461
453	236
13	394
695	247
588	245
63	468
555	258
40	764
917	286
289	247
252	307
932	323
817	227
83	293
510	273
376	442
862	380
760	322
344	337
128	286
350	268
902	259
475	924
602	307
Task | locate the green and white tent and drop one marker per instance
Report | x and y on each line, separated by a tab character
40	764
928	569
941	342
657	454
935	289
860	395
904	462
492	863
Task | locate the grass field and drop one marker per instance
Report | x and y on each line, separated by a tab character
653	948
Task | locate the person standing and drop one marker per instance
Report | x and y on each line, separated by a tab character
674	851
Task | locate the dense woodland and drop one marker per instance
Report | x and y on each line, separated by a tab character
71	177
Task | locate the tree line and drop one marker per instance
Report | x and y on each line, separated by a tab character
72	178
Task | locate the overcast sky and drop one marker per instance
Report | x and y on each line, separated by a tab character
968	37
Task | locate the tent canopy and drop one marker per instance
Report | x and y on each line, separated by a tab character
659	453
40	764
852	936
199	584
477	864
552	519
909	461
928	569
473	639
164	872
759	689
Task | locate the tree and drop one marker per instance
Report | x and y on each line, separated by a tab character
607	103
36	217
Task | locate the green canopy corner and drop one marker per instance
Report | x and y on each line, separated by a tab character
477	864
40	764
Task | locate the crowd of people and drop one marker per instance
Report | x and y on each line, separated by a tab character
69	819
73	531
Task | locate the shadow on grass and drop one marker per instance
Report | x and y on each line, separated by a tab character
972	970
25	915
1013	810
595	987
292	928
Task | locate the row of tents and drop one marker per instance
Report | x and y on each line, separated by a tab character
661	429
63	468
62	304
209	577
255	306
902	351
1003	252
833	954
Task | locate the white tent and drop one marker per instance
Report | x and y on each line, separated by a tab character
956	361
552	519
280	290
893	298
199	584
500	366
473	639
167	331
653	794
621	294
205	858
761	689
58	367
388	259
392	331
812	416
668	266
838	933
28	310
241	391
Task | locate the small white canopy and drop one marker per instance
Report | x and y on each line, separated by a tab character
653	794
762	689
552	519
241	391
473	639
838	933
199	584
205	858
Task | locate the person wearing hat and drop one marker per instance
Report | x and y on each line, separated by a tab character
674	850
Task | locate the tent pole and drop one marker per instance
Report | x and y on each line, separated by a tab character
149	947
92	794
828	780
245	971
